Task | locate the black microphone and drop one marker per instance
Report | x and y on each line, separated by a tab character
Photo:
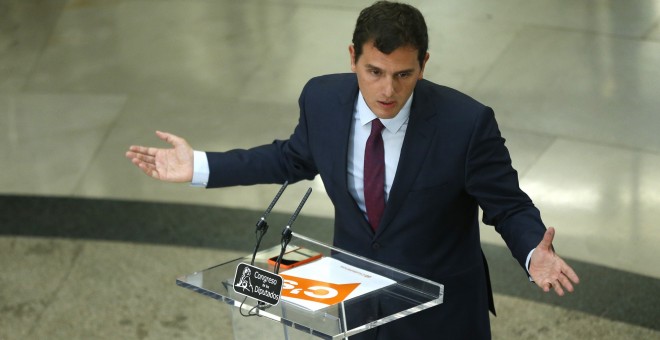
287	232
262	225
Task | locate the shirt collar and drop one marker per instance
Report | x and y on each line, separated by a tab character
393	124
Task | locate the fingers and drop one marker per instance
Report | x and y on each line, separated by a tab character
148	168
163	135
554	285
566	283
546	286
564	280
147	155
570	273
171	139
548	237
558	289
142	152
144	158
560	284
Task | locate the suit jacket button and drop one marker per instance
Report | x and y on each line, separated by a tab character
375	246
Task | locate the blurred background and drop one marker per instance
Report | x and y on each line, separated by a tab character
90	247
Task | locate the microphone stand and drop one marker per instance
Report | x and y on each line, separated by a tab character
262	225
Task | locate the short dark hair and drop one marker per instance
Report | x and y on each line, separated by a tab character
391	25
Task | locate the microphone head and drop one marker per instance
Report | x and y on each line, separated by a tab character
262	225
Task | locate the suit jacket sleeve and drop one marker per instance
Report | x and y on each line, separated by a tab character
491	179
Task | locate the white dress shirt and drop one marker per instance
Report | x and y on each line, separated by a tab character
393	134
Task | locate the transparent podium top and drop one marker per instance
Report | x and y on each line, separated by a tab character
331	296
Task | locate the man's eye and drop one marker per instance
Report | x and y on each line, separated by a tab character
375	72
404	75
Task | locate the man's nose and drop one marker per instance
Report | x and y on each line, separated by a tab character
389	87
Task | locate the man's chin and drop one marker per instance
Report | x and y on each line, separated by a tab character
387	114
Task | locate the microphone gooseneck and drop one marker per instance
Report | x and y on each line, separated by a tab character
287	232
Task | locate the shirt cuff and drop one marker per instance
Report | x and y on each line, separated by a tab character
529	258
200	170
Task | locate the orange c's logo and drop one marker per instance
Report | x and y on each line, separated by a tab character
317	291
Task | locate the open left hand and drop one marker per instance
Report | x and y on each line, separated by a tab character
548	270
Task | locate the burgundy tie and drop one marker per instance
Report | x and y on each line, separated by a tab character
374	174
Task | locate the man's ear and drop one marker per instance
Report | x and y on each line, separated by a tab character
351	52
426	58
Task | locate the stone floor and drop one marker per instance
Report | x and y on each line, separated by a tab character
90	248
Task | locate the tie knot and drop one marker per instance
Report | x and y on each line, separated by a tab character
376	126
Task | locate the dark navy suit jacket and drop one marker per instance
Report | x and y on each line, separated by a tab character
453	160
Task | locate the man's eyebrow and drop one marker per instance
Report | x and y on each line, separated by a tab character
372	67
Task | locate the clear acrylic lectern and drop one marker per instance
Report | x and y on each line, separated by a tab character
394	294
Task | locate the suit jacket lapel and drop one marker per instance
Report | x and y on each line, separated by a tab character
347	96
419	135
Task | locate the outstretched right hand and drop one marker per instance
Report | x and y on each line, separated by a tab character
170	165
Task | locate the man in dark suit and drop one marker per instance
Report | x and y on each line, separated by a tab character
442	157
